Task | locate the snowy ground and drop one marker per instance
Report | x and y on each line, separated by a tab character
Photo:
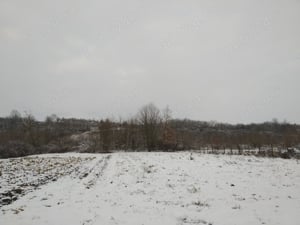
149	188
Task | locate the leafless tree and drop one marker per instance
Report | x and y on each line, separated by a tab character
167	115
150	119
106	135
29	123
168	139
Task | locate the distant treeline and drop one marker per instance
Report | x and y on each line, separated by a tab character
151	129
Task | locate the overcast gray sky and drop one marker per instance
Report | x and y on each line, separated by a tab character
230	61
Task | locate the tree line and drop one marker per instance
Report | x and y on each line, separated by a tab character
150	129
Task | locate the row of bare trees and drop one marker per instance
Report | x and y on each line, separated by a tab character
150	129
24	135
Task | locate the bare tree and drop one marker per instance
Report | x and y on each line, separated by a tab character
150	119
14	125
53	118
167	115
15	114
168	139
106	135
132	134
29	127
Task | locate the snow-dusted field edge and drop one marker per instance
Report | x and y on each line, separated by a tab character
150	188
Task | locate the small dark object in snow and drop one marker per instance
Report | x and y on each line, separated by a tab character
6	200
8	194
232	185
85	175
18	190
191	157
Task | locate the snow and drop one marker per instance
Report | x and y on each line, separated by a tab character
152	188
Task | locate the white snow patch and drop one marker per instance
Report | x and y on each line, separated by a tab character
158	188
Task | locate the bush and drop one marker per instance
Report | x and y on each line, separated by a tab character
16	149
285	155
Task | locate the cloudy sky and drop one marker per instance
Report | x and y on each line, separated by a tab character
230	61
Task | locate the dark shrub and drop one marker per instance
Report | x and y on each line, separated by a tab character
16	149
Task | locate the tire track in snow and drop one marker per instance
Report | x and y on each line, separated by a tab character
96	172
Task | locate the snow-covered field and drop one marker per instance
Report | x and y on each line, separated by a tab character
149	188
